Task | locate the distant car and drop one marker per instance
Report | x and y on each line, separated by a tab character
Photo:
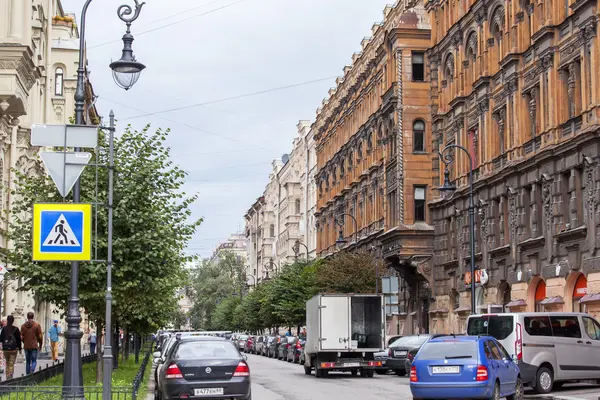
274	346
295	348
282	347
398	351
249	345
212	368
383	356
241	342
259	344
267	345
465	367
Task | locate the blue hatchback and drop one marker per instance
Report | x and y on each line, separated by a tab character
465	367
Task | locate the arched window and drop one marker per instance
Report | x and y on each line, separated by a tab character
540	294
297	206
579	291
418	136
272	231
58	81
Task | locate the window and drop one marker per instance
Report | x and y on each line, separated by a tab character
498	326
537	326
392	208
419	203
272	230
196	350
297	206
441	350
592	328
565	326
492	352
58	81
419	136
418	66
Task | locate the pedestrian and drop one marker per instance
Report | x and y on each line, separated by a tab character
10	337
31	334
54	334
2	361
92	341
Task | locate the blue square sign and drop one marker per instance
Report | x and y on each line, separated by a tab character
61	231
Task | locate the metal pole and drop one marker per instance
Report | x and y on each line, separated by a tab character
472	236
107	357
73	374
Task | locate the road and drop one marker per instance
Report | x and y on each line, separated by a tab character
279	380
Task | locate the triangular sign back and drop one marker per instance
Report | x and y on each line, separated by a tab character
65	168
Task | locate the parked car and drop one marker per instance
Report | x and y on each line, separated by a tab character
258	344
249	345
384	354
209	368
282	347
551	348
241	342
274	346
398	352
268	344
295	348
465	367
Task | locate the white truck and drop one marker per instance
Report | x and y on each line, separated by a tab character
343	333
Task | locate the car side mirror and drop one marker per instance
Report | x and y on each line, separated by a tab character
514	358
156	354
244	357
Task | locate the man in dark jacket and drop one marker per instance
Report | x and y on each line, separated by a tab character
10	337
31	334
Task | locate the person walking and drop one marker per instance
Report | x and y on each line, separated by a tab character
2	361
54	333
32	337
92	340
10	337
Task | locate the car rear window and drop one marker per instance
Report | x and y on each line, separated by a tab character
451	349
498	326
205	349
400	341
243	337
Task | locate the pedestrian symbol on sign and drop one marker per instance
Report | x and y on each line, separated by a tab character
61	234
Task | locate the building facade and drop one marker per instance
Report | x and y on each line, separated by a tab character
373	145
513	83
39	50
308	230
237	244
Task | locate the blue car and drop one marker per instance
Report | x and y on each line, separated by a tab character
465	367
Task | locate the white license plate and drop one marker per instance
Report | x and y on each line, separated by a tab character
351	364
445	370
400	353
208	392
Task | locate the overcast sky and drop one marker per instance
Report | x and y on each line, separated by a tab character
201	51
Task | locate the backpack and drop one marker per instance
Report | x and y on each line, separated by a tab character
9	342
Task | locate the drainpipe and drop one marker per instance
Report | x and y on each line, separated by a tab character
49	72
306	181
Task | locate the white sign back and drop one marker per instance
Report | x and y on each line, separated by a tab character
65	168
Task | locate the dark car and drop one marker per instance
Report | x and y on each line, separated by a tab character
398	352
258	344
274	346
383	356
295	348
267	345
240	342
211	368
282	347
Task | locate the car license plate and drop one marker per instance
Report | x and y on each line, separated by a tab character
351	364
400	353
446	370
208	392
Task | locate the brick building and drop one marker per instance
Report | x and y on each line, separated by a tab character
373	143
513	82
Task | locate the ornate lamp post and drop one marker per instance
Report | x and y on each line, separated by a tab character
126	72
448	189
340	242
297	249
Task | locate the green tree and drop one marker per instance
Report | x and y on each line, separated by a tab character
150	233
224	315
347	273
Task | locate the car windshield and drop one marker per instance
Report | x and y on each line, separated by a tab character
400	341
205	349
451	349
498	326
243	337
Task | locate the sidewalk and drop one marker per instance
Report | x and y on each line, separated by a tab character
20	366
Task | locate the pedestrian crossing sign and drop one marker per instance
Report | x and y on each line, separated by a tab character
62	232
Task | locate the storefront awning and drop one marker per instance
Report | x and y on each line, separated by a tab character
552	300
517	303
590	297
463	309
438	311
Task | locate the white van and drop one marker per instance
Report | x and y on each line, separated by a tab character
551	348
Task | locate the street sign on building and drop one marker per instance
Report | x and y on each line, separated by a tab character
62	232
389	284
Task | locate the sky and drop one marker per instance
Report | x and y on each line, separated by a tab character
244	72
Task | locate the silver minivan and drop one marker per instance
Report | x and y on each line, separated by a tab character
551	348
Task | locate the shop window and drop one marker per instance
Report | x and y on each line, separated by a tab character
418	66
579	291
540	294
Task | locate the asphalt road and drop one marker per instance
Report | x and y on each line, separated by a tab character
279	380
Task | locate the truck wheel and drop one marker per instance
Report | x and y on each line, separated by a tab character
307	370
370	373
400	372
363	373
354	372
324	373
318	372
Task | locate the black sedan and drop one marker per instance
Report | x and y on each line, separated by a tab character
398	352
210	369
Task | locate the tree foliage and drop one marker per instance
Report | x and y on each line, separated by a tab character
151	229
347	273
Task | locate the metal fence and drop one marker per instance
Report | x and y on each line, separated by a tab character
28	388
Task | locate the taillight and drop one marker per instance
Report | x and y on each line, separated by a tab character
173	372
298	345
519	342
390	353
482	373
242	369
410	356
413	374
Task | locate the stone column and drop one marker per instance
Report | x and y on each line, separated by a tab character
17	20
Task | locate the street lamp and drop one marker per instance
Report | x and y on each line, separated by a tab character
448	189
296	249
126	66
340	242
